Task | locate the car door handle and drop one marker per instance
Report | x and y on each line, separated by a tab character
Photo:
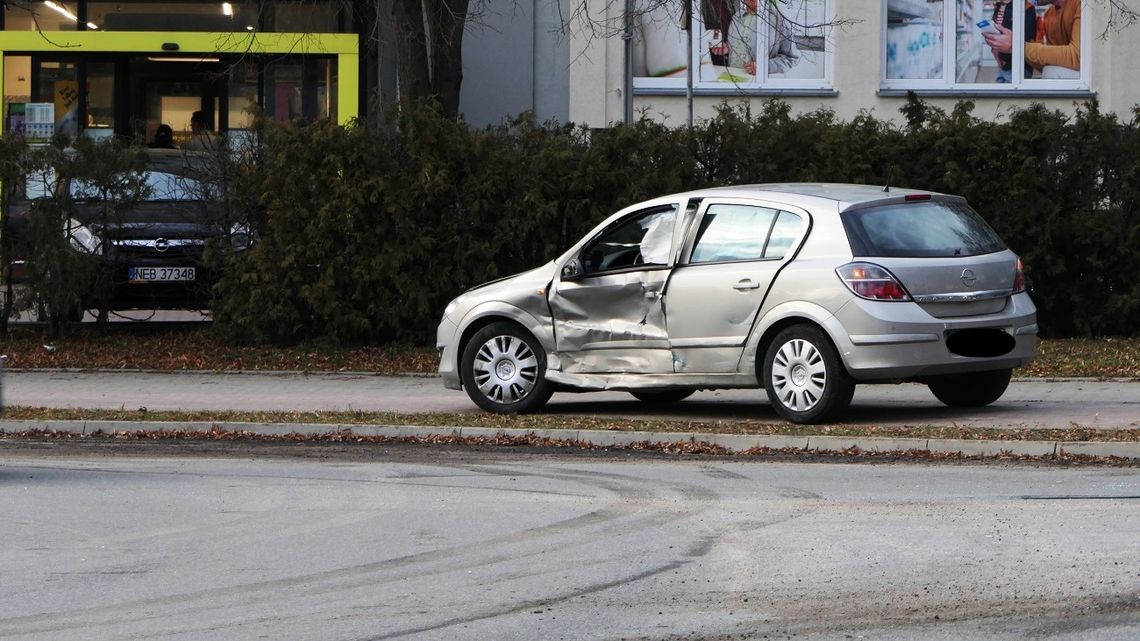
746	284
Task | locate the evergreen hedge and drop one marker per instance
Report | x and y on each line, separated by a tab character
363	237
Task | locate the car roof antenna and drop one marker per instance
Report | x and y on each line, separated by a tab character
887	187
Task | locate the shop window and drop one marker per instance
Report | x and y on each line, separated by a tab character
46	95
173	16
302	88
58	84
17	91
294	16
741	44
242	95
308	16
100	119
983	44
41	16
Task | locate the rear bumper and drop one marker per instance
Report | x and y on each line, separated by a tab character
881	341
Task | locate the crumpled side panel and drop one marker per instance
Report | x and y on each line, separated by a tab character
632	361
706	359
626	382
614	323
616	311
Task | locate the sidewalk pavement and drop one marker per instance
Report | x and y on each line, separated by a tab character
1029	403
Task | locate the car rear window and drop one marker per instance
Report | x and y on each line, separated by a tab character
920	229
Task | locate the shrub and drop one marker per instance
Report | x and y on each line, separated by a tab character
364	237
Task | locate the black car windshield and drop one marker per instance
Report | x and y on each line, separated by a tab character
160	186
921	229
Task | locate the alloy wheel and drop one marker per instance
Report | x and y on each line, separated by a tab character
799	375
505	369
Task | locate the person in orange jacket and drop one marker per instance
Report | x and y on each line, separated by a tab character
1059	57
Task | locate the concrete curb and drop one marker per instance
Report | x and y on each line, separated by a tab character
602	438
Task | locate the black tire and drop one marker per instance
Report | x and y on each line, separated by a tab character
804	377
503	370
977	389
663	397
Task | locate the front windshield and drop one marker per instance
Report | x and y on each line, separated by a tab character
160	186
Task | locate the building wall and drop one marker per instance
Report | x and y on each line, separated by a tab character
514	60
596	75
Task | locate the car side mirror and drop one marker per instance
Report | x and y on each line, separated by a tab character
572	269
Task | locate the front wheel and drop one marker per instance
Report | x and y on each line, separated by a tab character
804	376
971	390
504	370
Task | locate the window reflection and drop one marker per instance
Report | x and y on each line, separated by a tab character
294	16
171	16
735	42
986	39
303	88
732	232
242	95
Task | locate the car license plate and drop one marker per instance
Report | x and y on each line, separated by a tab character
161	274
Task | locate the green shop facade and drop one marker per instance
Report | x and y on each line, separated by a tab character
123	68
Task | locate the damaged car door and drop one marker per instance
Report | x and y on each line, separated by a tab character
606	303
728	266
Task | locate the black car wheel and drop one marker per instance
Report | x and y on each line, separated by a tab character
804	376
977	389
503	369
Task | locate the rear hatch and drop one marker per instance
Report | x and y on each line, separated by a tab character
945	255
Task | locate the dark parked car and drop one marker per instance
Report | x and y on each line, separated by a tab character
153	249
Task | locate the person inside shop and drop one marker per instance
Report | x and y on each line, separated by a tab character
201	138
1059	56
163	138
783	54
1003	15
718	15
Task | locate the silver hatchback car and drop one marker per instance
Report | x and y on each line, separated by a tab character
802	289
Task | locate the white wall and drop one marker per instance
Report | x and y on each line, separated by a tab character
514	60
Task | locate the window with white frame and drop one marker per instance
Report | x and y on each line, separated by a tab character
737	44
983	44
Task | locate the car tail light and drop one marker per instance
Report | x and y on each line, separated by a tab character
1019	278
872	282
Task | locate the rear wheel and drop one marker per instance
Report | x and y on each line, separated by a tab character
977	389
504	370
804	376
662	397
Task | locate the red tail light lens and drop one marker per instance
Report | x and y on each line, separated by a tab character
872	282
1019	278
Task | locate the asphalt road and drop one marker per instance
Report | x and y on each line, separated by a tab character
1027	403
428	544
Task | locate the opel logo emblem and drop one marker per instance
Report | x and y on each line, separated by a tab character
161	245
968	277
